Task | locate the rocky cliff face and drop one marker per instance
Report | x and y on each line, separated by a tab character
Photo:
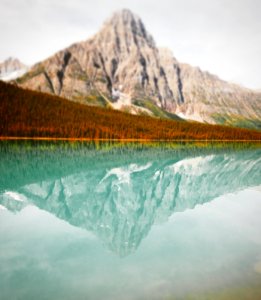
12	68
122	66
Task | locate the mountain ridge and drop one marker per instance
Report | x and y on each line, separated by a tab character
12	68
122	64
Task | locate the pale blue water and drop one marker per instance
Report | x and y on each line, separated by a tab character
79	221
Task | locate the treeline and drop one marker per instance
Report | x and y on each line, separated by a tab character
25	113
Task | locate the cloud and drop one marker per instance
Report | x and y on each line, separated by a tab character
220	36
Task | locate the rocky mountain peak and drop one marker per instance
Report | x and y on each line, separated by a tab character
122	67
124	22
124	17
12	68
11	64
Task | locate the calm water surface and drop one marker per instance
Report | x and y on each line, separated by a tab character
86	221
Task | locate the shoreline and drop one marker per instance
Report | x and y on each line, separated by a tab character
13	138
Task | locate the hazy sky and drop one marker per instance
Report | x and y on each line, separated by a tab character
221	36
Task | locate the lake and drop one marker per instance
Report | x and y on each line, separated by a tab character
129	221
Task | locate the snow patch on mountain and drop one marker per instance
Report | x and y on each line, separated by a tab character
15	196
12	68
13	75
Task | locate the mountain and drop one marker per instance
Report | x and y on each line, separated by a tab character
25	113
122	64
119	193
11	69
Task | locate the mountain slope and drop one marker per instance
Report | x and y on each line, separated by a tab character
25	113
122	64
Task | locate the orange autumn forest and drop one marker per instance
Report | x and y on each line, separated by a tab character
25	113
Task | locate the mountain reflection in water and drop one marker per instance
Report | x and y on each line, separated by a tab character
119	191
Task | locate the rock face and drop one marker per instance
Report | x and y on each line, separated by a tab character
12	68
122	65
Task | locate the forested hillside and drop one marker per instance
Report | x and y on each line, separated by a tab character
25	113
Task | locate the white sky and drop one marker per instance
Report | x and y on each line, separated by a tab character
221	36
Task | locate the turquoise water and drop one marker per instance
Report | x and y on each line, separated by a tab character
111	221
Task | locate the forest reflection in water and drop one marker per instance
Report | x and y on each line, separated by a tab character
142	202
